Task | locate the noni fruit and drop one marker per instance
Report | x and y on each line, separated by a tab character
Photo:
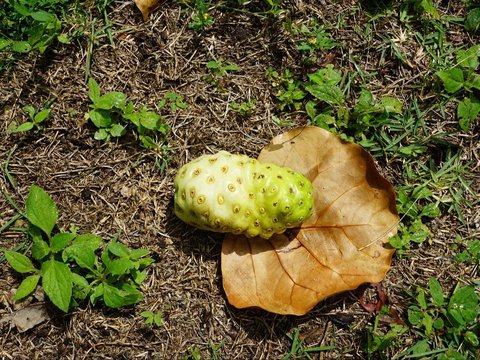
234	193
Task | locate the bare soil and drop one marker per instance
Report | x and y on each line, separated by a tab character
113	187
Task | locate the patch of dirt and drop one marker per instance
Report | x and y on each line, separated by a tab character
114	187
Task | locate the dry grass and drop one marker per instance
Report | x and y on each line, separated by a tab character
116	187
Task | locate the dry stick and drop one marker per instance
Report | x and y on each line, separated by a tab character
389	229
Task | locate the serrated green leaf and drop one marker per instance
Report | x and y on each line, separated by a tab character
463	306
133	117
26	126
120	266
111	100
117	130
41	116
20	47
30	110
100	118
136	254
422	301
149	120
430	210
4	43
422	192
40	209
326	76
101	134
106	258
310	109
144	262
429	7
332	95
427	322
42	16
118	249
452	79
436	291
82	253
472	22
139	276
19	262
474	82
63	39
414	316
81	287
467	112
57	283
93	90
26	287
113	297
40	249
96	293
391	105
469	58
91	240
148	315
59	241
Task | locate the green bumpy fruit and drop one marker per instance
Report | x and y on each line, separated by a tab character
236	194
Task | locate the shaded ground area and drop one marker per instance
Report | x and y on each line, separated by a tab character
118	187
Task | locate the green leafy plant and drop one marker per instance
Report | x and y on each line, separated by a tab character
471	252
287	89
36	119
447	325
415	232
112	116
300	350
472	21
463	81
324	98
312	38
174	101
424	6
201	19
152	318
193	354
446	183
244	107
378	338
71	267
31	25
218	69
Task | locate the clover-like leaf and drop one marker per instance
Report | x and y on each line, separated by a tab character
341	246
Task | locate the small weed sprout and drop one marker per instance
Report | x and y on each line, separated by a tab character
174	101
313	38
112	115
218	69
36	120
300	350
201	19
245	107
463	80
152	318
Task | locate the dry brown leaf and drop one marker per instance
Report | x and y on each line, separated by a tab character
340	247
147	6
